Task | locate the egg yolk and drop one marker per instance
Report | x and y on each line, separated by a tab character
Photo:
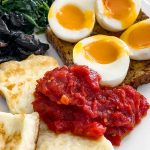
140	37
72	17
123	10
103	52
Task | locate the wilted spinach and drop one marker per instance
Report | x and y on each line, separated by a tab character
34	11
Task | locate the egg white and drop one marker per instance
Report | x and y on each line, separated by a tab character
108	23
141	53
68	34
113	73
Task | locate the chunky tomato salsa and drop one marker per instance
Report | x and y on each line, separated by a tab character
71	99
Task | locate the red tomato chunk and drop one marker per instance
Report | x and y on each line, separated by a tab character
71	99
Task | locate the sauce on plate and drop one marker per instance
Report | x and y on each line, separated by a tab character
71	99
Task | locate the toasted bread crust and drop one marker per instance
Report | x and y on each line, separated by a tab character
138	74
139	71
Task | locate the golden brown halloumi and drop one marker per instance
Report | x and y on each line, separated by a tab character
18	132
18	81
49	140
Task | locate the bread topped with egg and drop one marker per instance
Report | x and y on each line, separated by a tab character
18	81
106	24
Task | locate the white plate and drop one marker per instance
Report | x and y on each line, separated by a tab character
139	138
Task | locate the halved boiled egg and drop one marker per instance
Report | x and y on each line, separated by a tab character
117	15
72	20
137	38
107	55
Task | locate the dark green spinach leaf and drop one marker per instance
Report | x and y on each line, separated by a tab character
35	11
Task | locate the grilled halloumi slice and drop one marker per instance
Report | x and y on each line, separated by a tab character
18	81
18	132
48	140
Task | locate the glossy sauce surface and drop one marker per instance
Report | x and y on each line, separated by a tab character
71	99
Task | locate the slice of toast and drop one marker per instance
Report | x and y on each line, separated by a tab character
49	140
18	132
139	71
18	81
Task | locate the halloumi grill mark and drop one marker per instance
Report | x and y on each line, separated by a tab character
18	132
18	81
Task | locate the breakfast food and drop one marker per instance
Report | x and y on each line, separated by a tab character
49	140
71	99
85	106
72	20
30	14
117	15
139	71
138	74
107	55
18	81
18	132
138	39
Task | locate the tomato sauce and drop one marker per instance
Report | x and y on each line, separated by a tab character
71	99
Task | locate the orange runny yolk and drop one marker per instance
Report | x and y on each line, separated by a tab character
140	37
123	10
72	17
102	51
